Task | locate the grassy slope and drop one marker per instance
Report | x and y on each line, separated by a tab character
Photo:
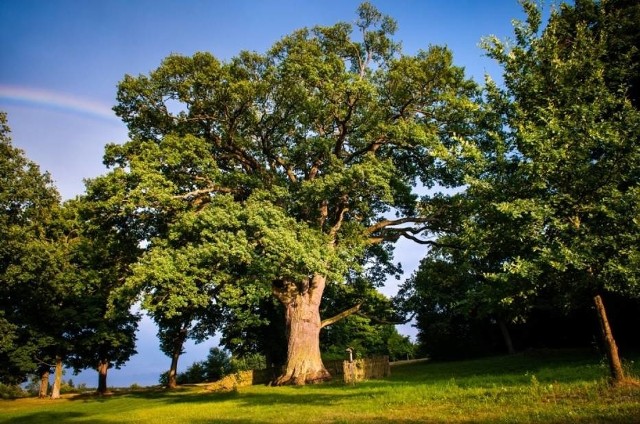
546	387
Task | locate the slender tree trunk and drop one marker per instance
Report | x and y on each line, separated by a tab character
615	365
302	318
57	380
103	368
506	336
172	381
44	382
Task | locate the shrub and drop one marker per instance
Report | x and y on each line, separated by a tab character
216	366
67	387
11	391
253	361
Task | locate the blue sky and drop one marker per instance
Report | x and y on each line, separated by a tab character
62	59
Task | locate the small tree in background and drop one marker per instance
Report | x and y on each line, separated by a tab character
37	290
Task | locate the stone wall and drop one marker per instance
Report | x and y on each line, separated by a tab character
350	372
365	369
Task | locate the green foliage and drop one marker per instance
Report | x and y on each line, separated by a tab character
57	276
248	362
259	329
246	178
95	266
456	307
365	338
36	298
548	216
11	391
572	139
369	331
217	365
400	347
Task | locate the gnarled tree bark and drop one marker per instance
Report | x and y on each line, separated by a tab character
302	314
44	371
57	380
103	368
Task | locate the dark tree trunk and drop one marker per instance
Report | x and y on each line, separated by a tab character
615	365
506	336
44	381
172	380
57	379
103	369
302	318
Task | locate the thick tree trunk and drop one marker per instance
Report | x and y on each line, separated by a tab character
506	336
172	380
103	368
615	365
57	380
302	317
44	381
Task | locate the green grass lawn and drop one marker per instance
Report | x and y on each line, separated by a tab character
540	386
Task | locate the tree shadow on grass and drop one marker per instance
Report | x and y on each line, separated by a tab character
47	417
321	394
291	396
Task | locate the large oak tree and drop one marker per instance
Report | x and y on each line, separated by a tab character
275	173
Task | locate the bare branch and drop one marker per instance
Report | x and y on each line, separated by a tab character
197	193
393	236
315	168
41	362
391	222
377	240
287	168
324	212
416	239
342	123
387	231
384	321
341	315
370	148
334	230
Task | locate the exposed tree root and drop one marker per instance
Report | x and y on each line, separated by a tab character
300	379
626	382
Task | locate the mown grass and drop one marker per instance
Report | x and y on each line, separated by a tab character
535	387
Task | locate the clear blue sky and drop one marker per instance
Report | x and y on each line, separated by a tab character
60	62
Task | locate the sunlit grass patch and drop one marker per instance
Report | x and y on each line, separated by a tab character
534	387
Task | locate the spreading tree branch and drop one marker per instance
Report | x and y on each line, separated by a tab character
341	315
334	230
387	232
391	222
290	174
384	321
370	148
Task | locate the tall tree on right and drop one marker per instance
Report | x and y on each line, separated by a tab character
570	127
